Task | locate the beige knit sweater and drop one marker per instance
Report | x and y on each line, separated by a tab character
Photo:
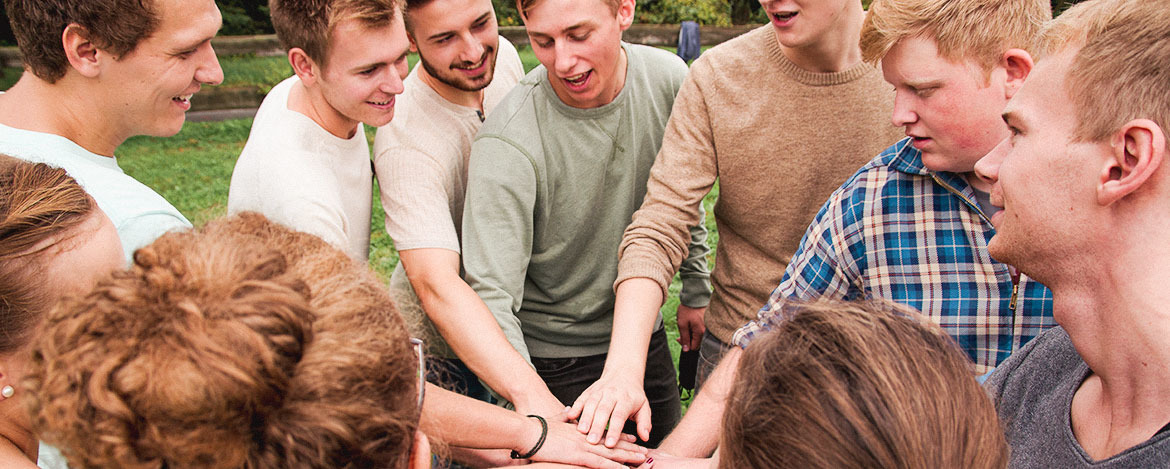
779	139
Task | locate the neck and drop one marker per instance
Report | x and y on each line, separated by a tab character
17	444
1117	313
837	51
471	99
312	103
63	108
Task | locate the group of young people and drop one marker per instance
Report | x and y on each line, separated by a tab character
541	217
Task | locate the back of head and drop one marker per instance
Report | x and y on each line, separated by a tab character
308	24
114	26
1121	70
242	344
39	207
843	385
964	30
523	6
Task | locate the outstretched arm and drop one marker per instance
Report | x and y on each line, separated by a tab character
469	328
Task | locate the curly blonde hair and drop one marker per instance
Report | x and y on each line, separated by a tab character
242	344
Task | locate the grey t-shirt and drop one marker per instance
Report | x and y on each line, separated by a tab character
1033	392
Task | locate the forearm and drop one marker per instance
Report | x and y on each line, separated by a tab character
635	313
462	421
697	435
475	336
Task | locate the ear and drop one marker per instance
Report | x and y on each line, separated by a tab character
1136	154
304	66
82	54
625	14
420	451
413	43
1017	63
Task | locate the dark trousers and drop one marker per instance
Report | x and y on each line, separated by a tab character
567	378
453	375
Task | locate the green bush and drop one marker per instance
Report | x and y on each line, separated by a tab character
705	12
506	13
244	17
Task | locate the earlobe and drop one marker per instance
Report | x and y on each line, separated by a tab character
302	65
82	54
1136	154
1017	63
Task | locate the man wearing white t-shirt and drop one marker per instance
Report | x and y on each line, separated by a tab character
97	73
306	164
421	161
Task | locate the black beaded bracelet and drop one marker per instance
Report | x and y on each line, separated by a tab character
539	443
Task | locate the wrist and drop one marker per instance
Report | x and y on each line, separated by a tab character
534	437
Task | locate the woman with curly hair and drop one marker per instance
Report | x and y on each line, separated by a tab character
244	344
54	241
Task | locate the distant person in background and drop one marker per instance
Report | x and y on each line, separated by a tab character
555	173
247	344
421	157
306	163
1085	188
96	73
54	241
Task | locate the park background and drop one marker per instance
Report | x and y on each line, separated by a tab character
192	169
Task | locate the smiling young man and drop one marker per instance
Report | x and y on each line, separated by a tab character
97	73
555	173
912	225
306	163
465	69
1084	188
801	75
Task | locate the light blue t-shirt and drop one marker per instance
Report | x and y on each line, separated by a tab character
139	214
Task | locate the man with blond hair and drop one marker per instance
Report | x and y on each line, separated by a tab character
306	164
1084	187
555	174
912	225
465	69
801	75
97	73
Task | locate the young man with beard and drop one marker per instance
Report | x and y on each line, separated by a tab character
99	72
306	163
912	225
802	75
1084	188
555	174
465	69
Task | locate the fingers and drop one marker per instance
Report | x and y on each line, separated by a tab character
617	420
642	419
696	335
605	412
684	337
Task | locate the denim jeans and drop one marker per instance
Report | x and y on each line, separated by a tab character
453	375
567	378
711	352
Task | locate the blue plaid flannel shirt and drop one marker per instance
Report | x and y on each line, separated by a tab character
898	231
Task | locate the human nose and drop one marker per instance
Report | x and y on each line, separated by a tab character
904	113
566	58
474	50
393	82
987	168
209	71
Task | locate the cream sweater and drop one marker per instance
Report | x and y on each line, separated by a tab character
779	139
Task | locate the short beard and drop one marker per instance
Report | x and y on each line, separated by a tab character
488	52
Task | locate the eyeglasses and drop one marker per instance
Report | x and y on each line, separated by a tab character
417	344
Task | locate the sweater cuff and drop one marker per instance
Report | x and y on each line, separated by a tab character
631	267
696	292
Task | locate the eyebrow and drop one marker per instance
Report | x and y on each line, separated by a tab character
379	64
451	33
569	29
923	84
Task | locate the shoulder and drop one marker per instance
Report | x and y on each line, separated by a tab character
747	49
864	186
654	62
1044	361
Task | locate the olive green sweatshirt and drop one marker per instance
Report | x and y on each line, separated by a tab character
550	190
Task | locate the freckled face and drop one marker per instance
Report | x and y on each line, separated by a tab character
949	109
